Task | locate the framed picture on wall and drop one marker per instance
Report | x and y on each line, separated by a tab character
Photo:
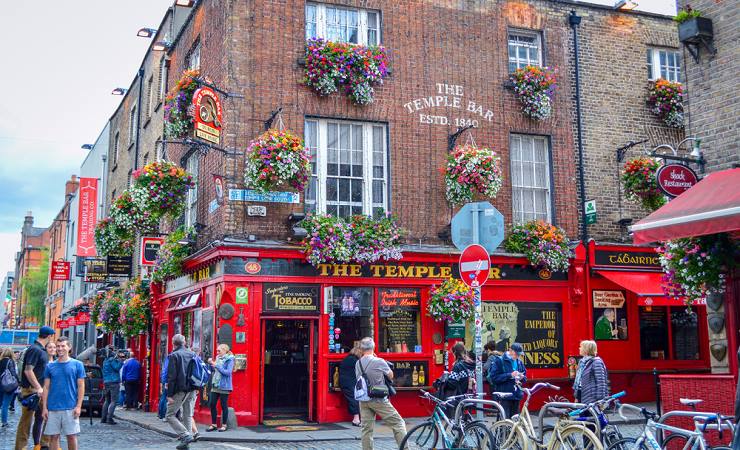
610	316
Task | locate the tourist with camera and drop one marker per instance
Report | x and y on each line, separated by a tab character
112	382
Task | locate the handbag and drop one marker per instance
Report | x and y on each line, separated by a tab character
389	385
8	380
374	391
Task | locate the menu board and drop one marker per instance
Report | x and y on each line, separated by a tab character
399	313
390	300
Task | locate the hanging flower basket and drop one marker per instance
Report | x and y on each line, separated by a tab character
331	65
178	117
110	310
161	188
534	87
276	159
359	239
472	172
96	306
544	245
130	215
452	301
171	255
135	312
696	267
640	185
112	240
666	101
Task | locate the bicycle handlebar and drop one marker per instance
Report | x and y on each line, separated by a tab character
604	400
539	386
647	414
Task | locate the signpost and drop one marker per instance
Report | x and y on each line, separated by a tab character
590	207
477	230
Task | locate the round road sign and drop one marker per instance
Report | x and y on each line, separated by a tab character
475	264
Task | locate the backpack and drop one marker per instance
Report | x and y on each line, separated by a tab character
198	373
361	394
492	371
8	379
21	362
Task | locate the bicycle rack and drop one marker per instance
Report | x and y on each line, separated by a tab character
477	401
553	405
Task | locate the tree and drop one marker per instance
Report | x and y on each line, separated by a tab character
34	286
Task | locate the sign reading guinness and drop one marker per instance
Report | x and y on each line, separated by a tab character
627	259
290	298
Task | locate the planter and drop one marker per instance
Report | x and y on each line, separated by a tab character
694	30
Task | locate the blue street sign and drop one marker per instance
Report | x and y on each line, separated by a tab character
249	195
490	226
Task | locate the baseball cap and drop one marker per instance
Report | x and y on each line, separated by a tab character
517	347
46	331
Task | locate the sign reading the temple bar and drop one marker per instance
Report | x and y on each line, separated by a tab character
448	96
627	259
87	217
290	298
207	115
60	270
675	179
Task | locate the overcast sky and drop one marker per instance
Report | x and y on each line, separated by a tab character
60	62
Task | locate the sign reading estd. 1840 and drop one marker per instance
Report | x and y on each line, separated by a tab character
290	298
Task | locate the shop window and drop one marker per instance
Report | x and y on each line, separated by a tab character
525	49
399	320
664	63
530	178
342	24
349	169
668	333
352	315
685	332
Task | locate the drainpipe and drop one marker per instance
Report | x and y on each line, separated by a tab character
138	118
574	20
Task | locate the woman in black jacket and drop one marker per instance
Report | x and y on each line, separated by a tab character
347	381
7	361
592	381
462	376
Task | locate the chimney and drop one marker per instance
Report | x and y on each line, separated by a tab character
71	186
28	222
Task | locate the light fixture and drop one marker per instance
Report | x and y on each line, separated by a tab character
160	46
119	91
146	32
185	3
625	5
87	146
696	149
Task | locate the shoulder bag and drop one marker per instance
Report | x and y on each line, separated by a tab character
374	391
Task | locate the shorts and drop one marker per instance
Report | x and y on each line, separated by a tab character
62	422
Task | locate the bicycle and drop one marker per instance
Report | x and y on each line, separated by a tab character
722	423
593	413
648	440
463	433
518	432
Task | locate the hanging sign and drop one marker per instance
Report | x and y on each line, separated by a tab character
119	266
60	270
87	216
250	195
71	322
675	179
96	270
149	249
62	324
207	115
82	318
590	208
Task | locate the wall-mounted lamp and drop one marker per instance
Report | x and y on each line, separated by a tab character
119	91
696	156
185	3
625	5
160	46
87	146
146	32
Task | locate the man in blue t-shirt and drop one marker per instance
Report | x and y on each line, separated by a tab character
64	389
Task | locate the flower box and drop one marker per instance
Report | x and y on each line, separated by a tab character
694	30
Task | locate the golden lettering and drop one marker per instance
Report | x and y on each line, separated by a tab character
340	270
445	272
494	273
323	269
355	270
421	271
406	272
375	269
390	271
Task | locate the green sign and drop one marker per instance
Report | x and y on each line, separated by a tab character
590	207
455	330
242	296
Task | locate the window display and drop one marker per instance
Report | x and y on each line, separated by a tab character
351	317
399	320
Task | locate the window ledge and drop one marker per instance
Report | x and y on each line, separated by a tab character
146	123
302	63
130	146
159	105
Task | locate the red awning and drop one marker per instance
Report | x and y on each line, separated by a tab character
712	206
644	284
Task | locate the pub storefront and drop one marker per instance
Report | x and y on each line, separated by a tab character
290	324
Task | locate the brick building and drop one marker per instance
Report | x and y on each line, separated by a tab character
34	242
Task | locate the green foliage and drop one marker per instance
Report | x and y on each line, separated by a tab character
686	14
35	285
171	255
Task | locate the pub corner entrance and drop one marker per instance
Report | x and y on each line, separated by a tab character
288	369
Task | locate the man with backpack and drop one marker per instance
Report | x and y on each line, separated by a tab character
181	393
32	364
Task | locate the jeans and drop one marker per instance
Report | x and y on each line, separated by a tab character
186	401
162	407
6	399
214	400
110	394
511	407
352	405
390	416
25	428
132	393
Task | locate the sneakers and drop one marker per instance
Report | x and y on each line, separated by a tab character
111	422
185	442
196	436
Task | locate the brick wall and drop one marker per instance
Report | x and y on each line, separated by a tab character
711	86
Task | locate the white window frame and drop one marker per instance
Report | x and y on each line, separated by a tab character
362	22
149	96
162	78
518	214
116	146
524	33
132	126
191	212
367	164
658	70
194	57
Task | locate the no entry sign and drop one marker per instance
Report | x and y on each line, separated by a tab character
475	265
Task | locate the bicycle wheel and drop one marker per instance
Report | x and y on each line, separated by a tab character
624	444
421	437
578	438
508	437
676	441
475	436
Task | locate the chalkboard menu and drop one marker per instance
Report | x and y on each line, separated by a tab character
406	374
399	314
290	298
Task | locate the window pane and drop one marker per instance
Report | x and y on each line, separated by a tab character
685	333
343	190
352	314
653	332
650	63
372	28
356	191
377	192
331	190
344	211
399	320
352	27
311	30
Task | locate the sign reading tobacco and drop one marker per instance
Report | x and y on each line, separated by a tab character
290	298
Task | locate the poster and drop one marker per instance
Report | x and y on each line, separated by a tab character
537	326
610	315
349	303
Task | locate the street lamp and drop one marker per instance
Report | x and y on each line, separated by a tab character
625	5
160	46
146	32
185	3
87	146
119	91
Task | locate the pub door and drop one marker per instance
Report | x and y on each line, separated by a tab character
288	370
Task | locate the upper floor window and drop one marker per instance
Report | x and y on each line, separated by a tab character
116	144
132	126
664	63
525	49
194	57
349	168
162	78
342	24
530	178
150	96
191	214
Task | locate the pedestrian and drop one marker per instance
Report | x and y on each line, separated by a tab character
32	365
509	373
162	407
491	354
51	350
221	386
130	375
375	370
347	381
7	363
112	383
64	390
16	356
462	376
180	392
591	382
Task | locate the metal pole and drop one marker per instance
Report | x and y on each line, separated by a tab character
478	344
574	20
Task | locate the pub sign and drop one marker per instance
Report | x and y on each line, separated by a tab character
295	299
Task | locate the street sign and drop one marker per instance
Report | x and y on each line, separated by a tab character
71	322
242	296
62	324
60	270
475	265
149	249
590	208
480	217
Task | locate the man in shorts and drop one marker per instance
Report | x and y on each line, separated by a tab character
64	389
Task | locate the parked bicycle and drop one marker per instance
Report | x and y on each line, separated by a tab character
518	433
716	422
593	413
440	429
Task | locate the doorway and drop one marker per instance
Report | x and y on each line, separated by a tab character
288	369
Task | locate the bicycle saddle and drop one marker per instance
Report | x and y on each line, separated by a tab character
690	401
501	395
